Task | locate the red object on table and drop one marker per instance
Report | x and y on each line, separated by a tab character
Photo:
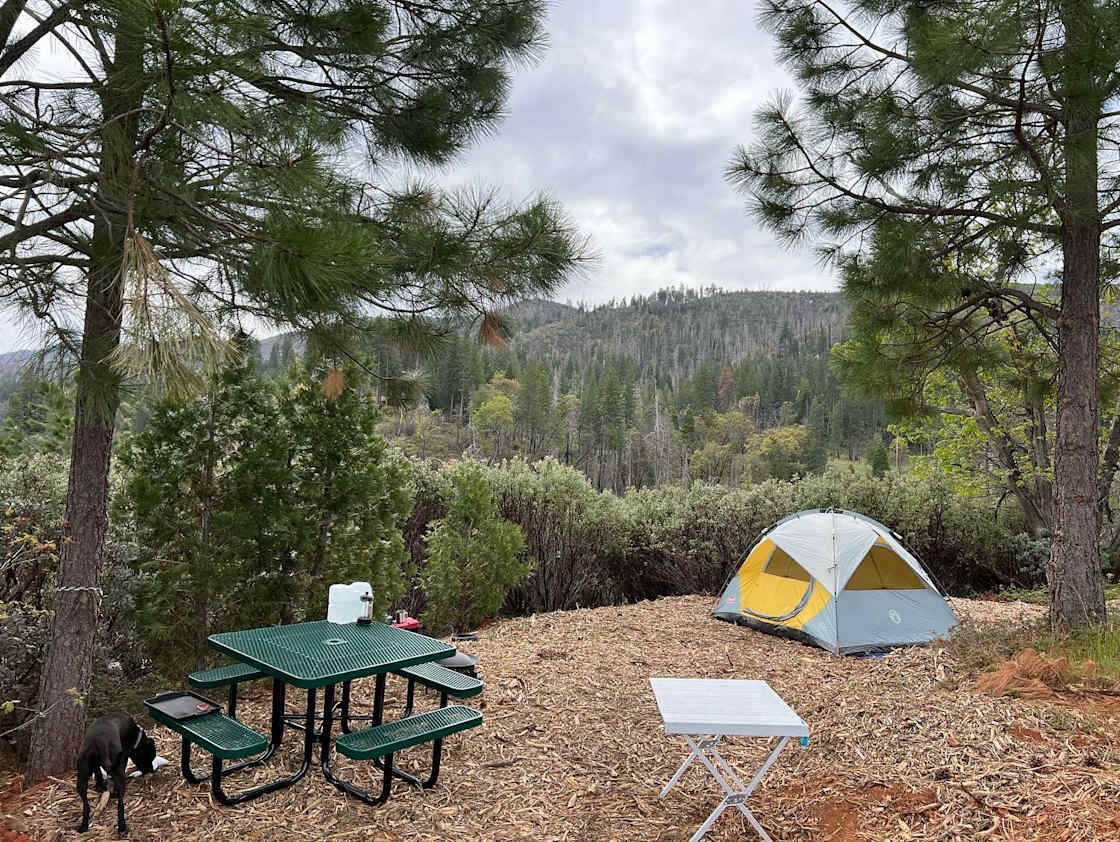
408	624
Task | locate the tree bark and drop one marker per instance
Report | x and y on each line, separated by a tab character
65	679
1074	575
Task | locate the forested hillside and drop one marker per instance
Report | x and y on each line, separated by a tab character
675	386
670	334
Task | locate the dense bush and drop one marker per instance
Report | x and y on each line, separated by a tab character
959	537
432	490
473	556
31	495
250	500
691	540
573	535
593	548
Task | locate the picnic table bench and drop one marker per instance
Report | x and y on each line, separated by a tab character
382	741
446	681
227	675
221	735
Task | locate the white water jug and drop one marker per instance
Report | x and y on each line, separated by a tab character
344	602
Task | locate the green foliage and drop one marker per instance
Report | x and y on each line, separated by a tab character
690	540
781	453
572	533
32	496
973	385
594	548
473	555
23	633
32	490
250	500
493	421
879	460
38	417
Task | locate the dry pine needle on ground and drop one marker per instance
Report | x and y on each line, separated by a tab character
572	749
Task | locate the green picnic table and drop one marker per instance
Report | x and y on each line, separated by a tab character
314	655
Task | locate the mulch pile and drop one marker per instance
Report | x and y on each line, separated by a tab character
572	749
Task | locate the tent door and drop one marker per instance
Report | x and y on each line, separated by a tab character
779	618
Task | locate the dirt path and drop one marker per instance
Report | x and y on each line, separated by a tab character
572	749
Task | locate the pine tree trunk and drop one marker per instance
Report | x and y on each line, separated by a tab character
1076	589
1075	583
65	679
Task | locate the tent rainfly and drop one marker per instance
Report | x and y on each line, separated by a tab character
838	579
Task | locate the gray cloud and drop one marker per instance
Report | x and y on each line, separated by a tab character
629	121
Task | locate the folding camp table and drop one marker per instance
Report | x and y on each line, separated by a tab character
704	710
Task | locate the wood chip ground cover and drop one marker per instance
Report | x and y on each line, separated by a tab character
572	749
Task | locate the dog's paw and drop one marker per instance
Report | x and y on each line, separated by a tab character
82	828
122	832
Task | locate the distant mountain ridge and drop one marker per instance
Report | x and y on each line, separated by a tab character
669	334
12	362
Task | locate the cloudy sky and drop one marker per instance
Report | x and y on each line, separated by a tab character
629	120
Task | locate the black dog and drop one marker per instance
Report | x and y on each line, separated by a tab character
110	741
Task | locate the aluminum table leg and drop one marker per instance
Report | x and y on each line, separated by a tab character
736	793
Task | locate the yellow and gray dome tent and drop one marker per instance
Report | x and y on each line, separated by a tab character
838	579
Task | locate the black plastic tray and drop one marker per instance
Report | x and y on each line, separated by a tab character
182	704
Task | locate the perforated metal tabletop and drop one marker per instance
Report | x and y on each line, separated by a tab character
319	653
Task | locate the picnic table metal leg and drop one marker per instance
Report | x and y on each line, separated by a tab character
325	752
217	773
345	718
409	699
344	709
379	699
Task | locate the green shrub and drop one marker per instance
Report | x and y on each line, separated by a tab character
432	490
691	540
250	500
573	535
473	555
879	460
32	496
961	538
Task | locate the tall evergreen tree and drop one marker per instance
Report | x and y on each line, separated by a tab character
944	131
201	160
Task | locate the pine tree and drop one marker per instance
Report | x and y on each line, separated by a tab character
199	165
975	131
473	555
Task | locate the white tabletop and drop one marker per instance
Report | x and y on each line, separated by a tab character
724	706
